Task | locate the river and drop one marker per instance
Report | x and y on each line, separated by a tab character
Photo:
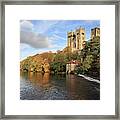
38	86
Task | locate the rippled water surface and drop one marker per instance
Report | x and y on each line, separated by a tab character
38	86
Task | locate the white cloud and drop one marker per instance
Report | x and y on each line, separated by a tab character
28	36
34	40
26	25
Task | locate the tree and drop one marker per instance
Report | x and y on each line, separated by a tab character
89	57
58	67
86	65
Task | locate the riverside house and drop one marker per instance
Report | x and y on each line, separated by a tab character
70	66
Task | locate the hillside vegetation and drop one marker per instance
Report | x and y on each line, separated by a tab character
88	57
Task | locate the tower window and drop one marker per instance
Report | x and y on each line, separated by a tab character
82	33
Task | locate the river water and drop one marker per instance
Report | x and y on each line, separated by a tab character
38	86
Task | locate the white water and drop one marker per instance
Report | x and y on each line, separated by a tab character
89	78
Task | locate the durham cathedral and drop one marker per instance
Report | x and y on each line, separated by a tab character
77	39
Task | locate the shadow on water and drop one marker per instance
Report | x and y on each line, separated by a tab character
39	86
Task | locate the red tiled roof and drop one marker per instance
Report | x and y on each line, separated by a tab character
73	62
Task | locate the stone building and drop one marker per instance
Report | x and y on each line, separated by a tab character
70	66
95	32
76	39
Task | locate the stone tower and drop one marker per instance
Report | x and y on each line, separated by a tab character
95	32
76	39
80	38
71	41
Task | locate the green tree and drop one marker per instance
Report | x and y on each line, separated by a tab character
58	67
86	65
89	57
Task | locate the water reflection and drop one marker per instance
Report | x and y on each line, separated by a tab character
70	84
39	86
36	78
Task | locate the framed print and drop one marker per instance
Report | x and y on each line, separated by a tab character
59	59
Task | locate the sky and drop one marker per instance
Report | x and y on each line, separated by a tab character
37	36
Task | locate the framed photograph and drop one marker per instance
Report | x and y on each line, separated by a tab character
59	59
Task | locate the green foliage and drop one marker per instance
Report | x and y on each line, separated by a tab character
73	56
86	65
26	64
60	60
90	58
59	57
58	67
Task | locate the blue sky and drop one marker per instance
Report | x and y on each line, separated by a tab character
38	36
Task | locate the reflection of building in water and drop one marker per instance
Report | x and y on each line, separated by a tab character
76	39
70	82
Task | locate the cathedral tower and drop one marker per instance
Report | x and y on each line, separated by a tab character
80	38
76	39
95	32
